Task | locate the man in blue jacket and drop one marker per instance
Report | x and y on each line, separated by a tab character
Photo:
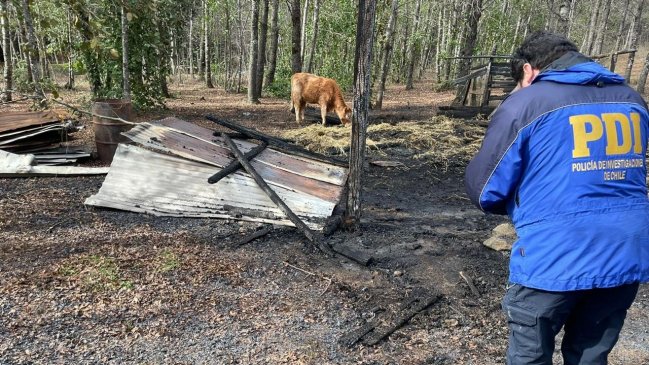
564	157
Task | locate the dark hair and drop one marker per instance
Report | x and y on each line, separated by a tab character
539	49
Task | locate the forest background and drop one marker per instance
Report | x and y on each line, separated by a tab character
130	49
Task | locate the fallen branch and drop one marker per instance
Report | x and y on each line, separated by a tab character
469	282
235	164
330	280
253	236
423	304
310	235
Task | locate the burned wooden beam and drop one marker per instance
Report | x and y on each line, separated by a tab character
311	235
277	143
419	305
254	235
235	164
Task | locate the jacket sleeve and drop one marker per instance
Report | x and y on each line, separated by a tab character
492	177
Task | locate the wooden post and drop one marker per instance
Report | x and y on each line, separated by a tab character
362	72
311	235
613	61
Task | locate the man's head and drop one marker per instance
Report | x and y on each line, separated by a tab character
538	51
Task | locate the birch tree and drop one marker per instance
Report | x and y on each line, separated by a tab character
6	52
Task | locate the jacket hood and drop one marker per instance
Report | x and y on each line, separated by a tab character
575	68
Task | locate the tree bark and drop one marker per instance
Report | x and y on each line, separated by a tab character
32	50
602	24
126	86
6	52
208	65
70	83
314	39
587	47
412	45
296	37
388	45
201	46
471	31
190	50
637	29
240	10
252	65
618	38
274	40
642	79
261	54
362	76
303	27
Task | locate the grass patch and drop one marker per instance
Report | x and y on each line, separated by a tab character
98	273
168	261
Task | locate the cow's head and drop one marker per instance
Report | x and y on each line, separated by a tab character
347	116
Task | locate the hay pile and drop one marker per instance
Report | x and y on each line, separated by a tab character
440	140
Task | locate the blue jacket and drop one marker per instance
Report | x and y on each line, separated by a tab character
565	159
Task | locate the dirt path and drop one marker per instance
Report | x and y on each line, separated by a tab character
83	285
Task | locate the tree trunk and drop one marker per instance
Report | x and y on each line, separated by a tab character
587	47
252	65
314	39
642	79
239	11
201	46
261	54
296	37
303	27
388	45
412	45
362	71
471	36
228	48
208	64
603	24
571	17
634	39
618	38
6	52
70	83
274	40
32	50
190	50
126	86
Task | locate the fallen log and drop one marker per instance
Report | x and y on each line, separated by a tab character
277	143
310	235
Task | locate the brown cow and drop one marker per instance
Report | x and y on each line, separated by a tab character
308	88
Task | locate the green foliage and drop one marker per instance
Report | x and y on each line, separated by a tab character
281	86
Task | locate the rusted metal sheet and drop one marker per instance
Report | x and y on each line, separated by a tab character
144	181
297	165
278	169
11	121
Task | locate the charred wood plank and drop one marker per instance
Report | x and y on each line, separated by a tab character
253	236
277	143
235	165
310	235
419	305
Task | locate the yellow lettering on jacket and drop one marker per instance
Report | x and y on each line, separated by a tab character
622	134
613	145
581	136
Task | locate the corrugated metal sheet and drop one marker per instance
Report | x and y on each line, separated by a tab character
278	169
144	181
11	121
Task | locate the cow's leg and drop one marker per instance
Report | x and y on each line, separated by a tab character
302	109
323	113
297	109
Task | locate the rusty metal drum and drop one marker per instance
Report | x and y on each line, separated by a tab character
108	131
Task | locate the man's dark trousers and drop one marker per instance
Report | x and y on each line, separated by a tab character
592	320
